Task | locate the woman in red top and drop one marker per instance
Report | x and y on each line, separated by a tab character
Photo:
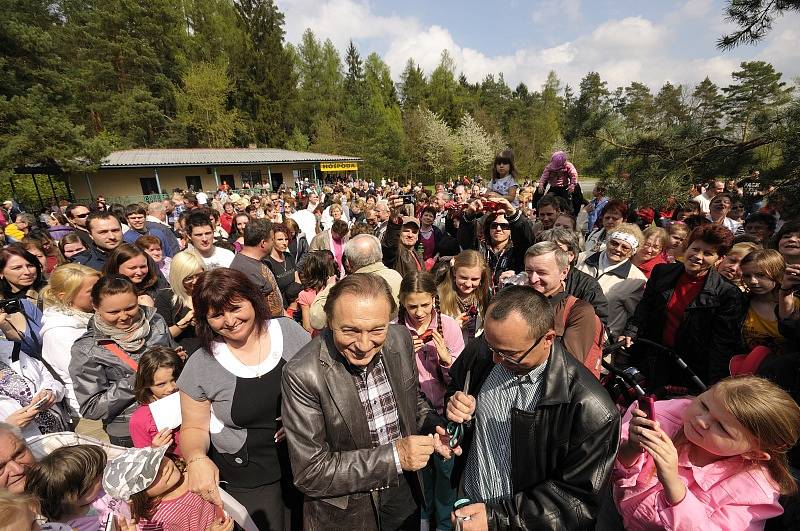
691	308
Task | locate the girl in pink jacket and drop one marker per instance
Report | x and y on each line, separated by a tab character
560	174
717	462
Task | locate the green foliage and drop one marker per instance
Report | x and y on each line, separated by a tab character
754	18
83	77
266	80
202	114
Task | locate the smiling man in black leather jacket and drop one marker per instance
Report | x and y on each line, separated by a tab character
542	433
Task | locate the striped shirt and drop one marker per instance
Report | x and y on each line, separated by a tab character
487	475
188	512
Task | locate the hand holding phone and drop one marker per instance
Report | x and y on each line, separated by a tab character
39	403
648	405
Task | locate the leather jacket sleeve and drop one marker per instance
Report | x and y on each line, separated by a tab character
391	239
99	397
319	471
571	499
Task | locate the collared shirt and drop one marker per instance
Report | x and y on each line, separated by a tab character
487	475
377	399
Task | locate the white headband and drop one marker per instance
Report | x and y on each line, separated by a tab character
624	236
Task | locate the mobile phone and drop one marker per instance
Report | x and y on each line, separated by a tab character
407	198
426	336
648	405
40	403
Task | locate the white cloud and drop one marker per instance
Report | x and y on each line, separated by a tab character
551	11
691	9
622	50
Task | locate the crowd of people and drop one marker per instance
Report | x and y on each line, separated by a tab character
359	355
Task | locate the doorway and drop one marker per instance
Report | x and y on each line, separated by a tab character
277	181
149	185
194	183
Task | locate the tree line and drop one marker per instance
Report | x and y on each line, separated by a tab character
84	77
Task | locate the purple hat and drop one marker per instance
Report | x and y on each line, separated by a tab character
558	160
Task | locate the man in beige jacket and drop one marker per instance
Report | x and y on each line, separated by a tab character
362	254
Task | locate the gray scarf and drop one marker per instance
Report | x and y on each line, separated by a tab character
132	338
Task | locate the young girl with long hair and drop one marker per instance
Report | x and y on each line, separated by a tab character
158	371
717	461
437	343
136	265
317	271
762	273
464	291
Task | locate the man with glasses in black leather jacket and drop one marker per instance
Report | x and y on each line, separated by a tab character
540	433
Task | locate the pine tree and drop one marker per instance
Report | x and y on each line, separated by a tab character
354	76
755	94
413	87
264	75
670	109
707	106
639	108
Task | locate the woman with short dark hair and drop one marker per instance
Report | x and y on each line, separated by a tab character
230	395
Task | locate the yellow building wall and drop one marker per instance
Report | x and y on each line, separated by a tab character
113	183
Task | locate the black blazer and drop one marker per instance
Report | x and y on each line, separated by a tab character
708	336
562	453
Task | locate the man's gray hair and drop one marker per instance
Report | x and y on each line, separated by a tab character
155	207
562	237
11	429
561	256
362	250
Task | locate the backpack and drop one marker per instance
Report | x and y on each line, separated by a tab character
593	358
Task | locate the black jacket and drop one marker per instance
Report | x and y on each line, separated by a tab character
562	453
707	337
522	237
582	286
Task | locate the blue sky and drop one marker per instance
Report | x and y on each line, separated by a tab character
652	41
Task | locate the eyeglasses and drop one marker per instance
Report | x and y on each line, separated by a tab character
624	247
507	358
501	226
86	215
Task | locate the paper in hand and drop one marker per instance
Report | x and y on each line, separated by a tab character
167	411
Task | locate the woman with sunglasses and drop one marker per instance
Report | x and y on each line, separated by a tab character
621	281
507	234
174	303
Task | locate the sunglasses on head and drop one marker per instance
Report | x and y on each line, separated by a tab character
502	226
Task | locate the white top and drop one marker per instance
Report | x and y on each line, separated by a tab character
202	198
705	203
231	363
59	332
307	222
220	258
37	377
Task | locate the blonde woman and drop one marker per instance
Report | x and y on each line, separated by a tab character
174	303
68	308
621	281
